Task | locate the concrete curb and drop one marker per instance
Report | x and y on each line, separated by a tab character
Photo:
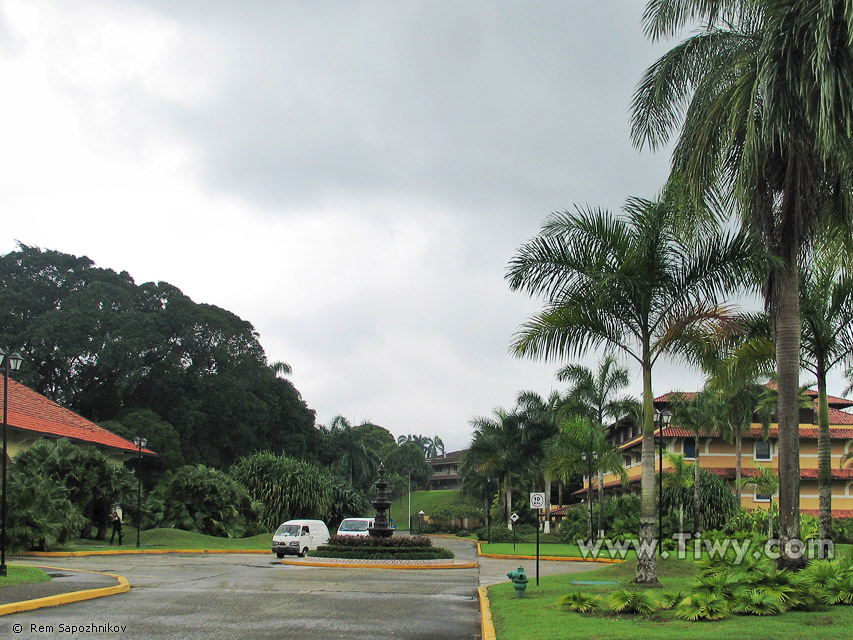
123	586
487	627
379	565
110	552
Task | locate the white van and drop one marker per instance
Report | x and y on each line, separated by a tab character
296	537
355	527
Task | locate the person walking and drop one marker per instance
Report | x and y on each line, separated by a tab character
116	521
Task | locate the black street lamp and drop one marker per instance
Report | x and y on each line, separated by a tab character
10	363
489	510
590	458
140	444
662	420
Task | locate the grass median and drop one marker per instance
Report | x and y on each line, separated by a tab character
550	549
539	616
22	575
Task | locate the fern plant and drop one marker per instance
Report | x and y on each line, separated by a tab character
670	599
625	601
580	601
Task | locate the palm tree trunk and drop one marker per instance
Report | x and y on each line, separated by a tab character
738	463
508	504
697	515
600	503
824	460
787	337
547	525
646	560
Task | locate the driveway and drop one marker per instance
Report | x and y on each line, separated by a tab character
255	596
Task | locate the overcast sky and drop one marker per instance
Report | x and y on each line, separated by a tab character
350	177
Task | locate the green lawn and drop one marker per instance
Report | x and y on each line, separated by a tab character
425	501
548	549
539	617
23	575
163	539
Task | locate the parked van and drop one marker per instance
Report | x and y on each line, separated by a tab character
355	527
297	537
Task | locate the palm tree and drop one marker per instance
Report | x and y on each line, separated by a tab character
594	395
760	95
764	483
680	476
632	284
826	308
495	451
539	423
701	415
356	453
582	447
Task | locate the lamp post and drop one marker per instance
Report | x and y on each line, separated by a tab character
10	363
662	420
489	510
590	457
421	515
140	444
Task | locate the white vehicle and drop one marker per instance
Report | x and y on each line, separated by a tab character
355	527
297	537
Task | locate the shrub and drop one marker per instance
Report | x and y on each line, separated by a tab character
625	601
353	553
394	542
499	534
670	599
40	515
580	601
702	606
758	602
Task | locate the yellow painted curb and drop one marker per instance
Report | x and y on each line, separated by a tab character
501	556
364	565
487	627
123	586
111	552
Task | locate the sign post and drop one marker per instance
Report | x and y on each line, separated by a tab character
514	517
537	502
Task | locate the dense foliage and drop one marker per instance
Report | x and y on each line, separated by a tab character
105	347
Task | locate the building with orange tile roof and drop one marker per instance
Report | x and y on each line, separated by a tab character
32	417
719	456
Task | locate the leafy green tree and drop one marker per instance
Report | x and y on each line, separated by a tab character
680	476
759	99
93	483
407	460
356	450
162	438
633	284
203	500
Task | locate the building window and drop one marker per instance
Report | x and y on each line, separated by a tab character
762	450
762	497
689	448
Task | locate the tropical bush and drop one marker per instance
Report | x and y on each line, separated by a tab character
702	606
92	482
204	500
580	601
375	548
718	503
289	488
625	601
40	515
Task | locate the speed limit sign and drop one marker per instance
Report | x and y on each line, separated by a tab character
537	500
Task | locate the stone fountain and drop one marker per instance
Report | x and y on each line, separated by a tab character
381	527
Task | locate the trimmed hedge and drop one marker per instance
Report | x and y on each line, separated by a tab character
394	542
366	553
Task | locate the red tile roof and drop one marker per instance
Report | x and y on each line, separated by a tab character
808	474
31	411
836	513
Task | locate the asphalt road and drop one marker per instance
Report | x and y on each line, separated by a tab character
254	596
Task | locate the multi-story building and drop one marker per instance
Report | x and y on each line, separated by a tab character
719	456
445	471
